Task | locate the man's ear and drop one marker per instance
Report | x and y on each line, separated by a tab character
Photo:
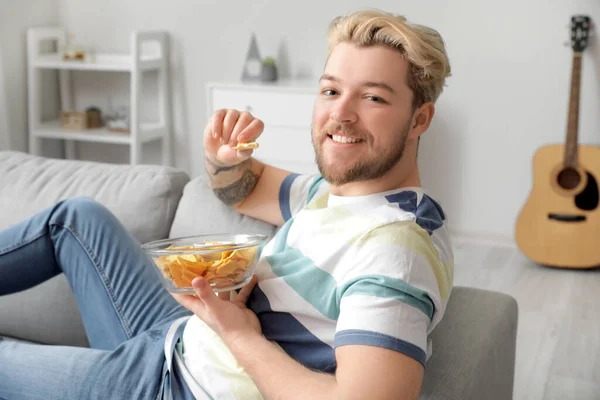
421	120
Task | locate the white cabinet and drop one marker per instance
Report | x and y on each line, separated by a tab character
148	52
285	108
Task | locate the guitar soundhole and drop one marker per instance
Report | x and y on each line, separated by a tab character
568	178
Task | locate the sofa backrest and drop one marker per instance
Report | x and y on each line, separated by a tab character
201	212
143	197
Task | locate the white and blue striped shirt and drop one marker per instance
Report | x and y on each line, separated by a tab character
370	270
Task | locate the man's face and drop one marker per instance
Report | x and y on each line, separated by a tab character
362	114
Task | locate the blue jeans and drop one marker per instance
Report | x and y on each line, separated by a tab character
125	310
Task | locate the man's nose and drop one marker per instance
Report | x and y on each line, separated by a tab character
343	112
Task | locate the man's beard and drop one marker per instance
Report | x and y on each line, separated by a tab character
368	167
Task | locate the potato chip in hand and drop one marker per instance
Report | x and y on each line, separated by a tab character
246	145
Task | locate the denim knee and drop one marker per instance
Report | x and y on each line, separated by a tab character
83	206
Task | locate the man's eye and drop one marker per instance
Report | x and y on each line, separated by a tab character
376	99
329	92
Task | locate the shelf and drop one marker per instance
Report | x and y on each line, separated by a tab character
99	62
148	50
52	130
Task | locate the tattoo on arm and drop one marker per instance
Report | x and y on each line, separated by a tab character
239	190
219	169
231	184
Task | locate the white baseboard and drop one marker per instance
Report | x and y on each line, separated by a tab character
483	238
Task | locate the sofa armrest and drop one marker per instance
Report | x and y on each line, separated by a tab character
473	348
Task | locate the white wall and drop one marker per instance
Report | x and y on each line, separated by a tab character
507	97
15	17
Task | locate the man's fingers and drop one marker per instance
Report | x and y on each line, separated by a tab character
204	292
229	122
243	121
217	123
224	295
192	303
244	293
251	132
243	155
211	142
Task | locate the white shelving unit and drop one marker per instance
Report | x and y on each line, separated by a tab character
4	126
149	51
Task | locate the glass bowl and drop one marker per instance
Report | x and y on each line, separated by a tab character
226	261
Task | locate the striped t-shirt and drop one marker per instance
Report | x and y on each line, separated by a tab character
371	270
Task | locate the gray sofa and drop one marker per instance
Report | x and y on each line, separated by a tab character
473	347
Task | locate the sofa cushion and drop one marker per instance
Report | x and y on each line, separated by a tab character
144	198
201	212
46	314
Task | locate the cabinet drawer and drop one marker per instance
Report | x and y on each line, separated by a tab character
272	107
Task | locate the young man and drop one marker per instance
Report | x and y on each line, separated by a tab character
346	293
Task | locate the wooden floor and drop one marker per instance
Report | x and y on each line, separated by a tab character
558	343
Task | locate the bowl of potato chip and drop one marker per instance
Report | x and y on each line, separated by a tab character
226	261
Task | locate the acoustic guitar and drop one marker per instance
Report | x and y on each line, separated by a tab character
559	225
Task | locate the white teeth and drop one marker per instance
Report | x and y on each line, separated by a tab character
344	139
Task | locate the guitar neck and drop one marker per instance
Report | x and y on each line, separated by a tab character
571	147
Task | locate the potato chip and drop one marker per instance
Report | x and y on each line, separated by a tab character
190	258
220	268
229	267
246	146
209	276
178	279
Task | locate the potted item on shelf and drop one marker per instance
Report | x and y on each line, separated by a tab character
268	71
73	51
118	120
80	120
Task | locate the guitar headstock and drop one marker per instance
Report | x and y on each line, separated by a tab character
580	32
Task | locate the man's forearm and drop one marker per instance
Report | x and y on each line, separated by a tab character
232	184
276	374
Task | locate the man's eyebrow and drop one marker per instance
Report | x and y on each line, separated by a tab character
326	77
382	85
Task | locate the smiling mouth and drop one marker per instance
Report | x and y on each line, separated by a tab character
345	139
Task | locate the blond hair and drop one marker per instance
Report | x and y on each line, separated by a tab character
420	45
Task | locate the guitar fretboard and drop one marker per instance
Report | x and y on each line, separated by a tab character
571	156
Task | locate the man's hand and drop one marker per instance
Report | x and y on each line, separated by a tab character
224	131
231	173
228	318
237	179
